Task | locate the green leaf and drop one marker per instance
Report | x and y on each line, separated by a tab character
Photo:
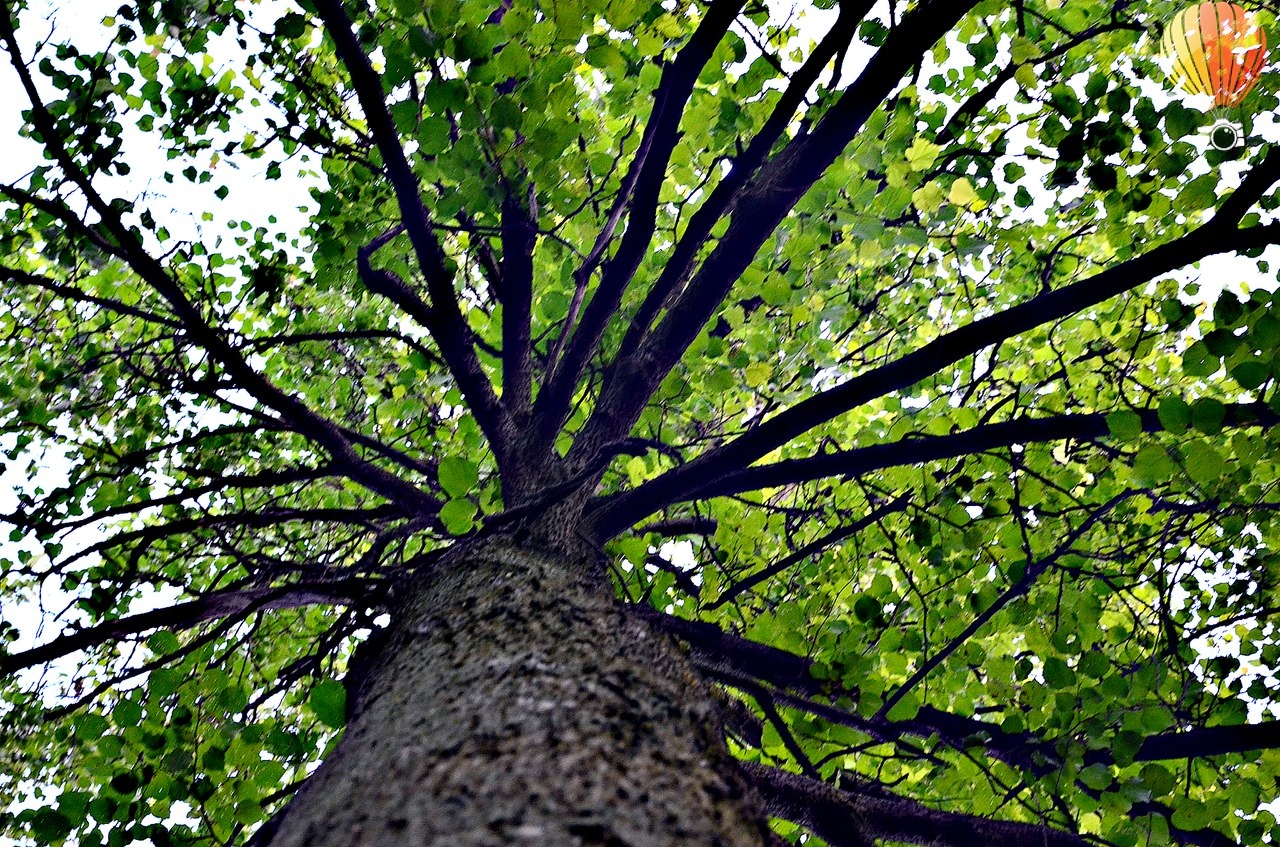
1251	374
49	825
1096	777
866	608
605	56
291	25
1199	361
328	702
1204	464
233	698
90	727
1057	674
74	805
1158	779
1199	193
164	681
458	516
1180	121
127	714
1124	424
434	135
457	476
1207	415
1174	414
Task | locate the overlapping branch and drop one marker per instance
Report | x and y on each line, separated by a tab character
638	197
823	542
124	243
444	318
728	657
519	236
849	817
647	355
1220	235
744	664
623	266
910	451
222	604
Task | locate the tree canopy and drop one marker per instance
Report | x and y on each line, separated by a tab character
867	342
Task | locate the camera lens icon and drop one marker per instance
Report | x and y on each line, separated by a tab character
1224	135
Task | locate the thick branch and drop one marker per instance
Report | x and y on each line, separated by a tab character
519	235
641	188
710	645
852	818
966	443
643	363
713	649
1203	742
444	320
736	183
186	615
1218	236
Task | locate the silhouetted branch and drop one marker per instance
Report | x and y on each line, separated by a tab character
716	651
186	615
1218	236
819	544
641	188
444	319
646	356
848	818
519	236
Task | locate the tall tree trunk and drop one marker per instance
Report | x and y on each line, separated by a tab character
513	702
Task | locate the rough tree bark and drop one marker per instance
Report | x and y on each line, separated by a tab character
513	702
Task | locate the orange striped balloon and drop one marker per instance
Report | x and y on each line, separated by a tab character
1217	49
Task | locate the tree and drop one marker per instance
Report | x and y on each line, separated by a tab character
676	423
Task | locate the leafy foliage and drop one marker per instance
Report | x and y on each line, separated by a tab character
871	334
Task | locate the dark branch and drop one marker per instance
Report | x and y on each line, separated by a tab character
1013	592
849	818
646	356
519	235
675	527
737	182
187	615
1218	236
711	646
713	649
819	544
61	289
640	191
444	320
966	443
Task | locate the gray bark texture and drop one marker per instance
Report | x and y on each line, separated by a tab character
513	702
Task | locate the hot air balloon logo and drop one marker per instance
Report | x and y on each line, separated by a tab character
1217	49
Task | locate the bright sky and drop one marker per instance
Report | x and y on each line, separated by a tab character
178	205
